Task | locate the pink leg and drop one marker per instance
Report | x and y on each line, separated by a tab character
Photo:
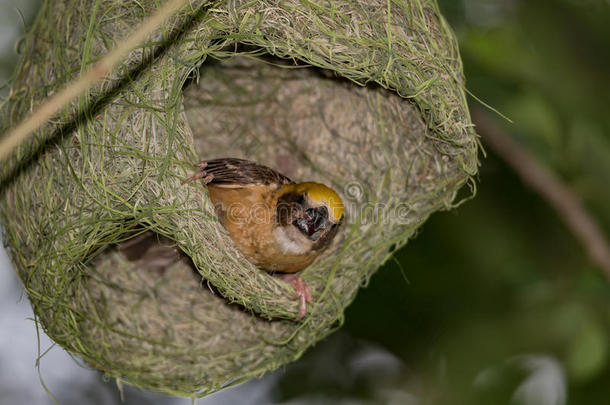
302	292
201	174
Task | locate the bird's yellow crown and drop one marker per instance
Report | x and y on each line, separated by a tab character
321	194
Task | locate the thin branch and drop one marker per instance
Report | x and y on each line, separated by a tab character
557	194
87	79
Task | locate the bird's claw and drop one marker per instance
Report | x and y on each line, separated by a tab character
301	290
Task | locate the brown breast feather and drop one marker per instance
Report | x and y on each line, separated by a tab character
249	215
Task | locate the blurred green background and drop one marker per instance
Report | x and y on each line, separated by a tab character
495	302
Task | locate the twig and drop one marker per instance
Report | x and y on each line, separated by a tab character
557	194
87	79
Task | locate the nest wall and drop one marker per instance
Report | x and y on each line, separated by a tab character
366	96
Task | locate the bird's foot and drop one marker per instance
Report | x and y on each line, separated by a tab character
201	174
302	292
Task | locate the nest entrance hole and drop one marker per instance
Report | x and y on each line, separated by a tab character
301	120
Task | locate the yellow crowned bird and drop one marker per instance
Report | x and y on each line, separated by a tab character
278	225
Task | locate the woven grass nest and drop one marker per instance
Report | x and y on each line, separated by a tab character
364	95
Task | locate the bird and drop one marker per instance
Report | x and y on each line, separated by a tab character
278	225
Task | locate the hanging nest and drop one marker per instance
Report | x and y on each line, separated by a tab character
364	95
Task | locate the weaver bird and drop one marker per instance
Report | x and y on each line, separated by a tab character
278	225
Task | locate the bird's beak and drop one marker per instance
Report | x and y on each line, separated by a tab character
313	222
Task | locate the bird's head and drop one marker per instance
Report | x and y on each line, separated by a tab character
314	209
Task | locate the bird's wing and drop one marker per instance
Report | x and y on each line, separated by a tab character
231	172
